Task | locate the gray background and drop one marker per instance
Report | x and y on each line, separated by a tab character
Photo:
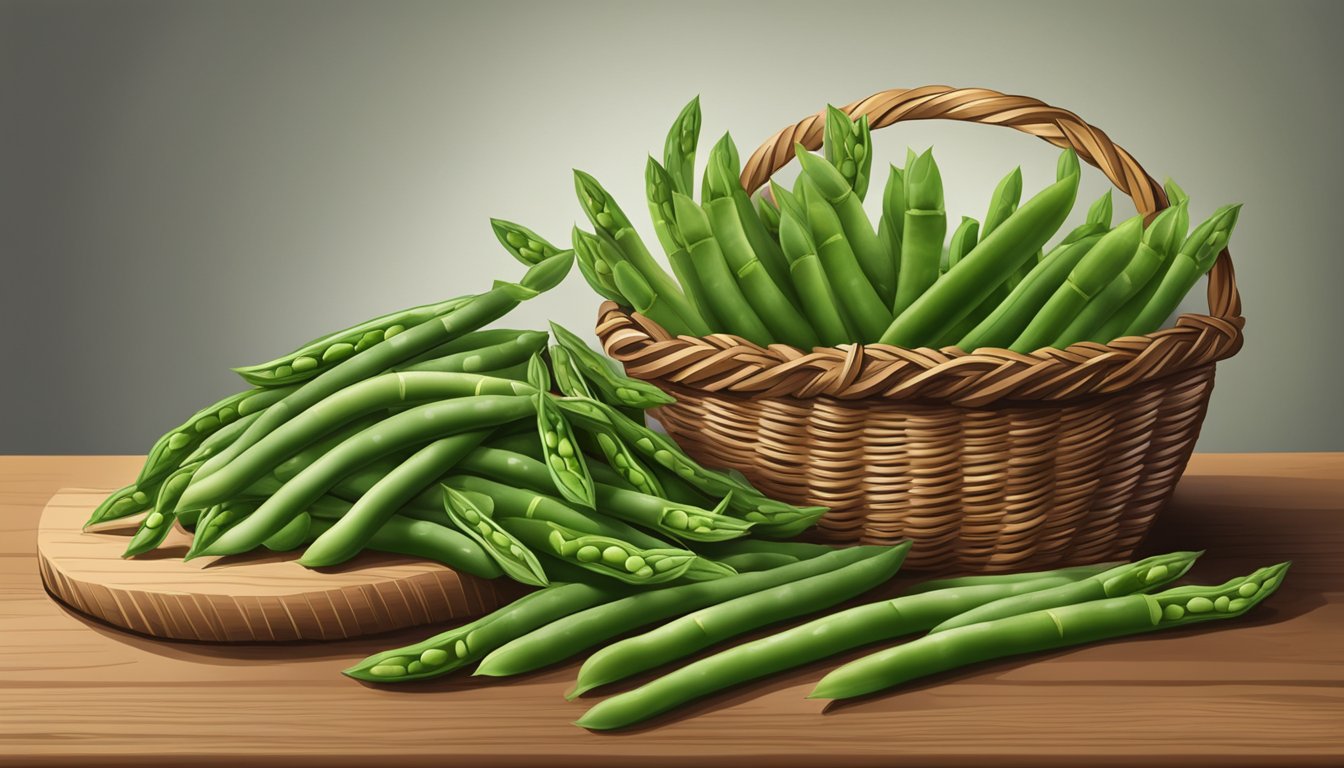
189	186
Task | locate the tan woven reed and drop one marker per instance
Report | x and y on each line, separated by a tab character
991	460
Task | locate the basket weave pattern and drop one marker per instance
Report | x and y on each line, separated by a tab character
989	461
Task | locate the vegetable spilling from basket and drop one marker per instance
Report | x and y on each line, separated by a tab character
525	455
807	267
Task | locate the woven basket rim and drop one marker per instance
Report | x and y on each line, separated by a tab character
728	364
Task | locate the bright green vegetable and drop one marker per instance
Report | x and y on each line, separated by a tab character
659	186
646	301
470	512
560	448
891	224
171	450
573	633
1071	573
826	636
859	300
963	240
722	183
1191	263
848	146
923	232
679	149
1102	263
1057	627
156	525
835	189
993	259
714	624
522	243
614	388
721	286
494	357
612	557
595	264
769	215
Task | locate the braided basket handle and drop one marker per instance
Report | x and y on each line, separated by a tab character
980	105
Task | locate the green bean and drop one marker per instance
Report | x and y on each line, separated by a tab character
580	630
1004	201
859	300
596	266
1144	575
471	514
494	357
818	301
721	286
1101	210
679	148
994	257
646	301
413	532
891	225
873	259
316	357
563	459
772	518
923	232
124	502
1071	573
756	561
171	449
470	316
292	536
1010	318
365	397
1159	244
411	427
397	488
522	243
460	646
1094	271
826	636
963	240
848	146
467	342
798	550
216	523
511	501
769	216
615	388
1042	630
1119	321
608	218
611	557
659	188
722	181
156	525
1193	260
717	623
221	438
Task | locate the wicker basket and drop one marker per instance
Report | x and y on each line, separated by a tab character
990	461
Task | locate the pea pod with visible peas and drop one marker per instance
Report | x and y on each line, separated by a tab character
617	389
470	512
522	243
612	557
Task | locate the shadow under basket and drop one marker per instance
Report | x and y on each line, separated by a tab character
990	460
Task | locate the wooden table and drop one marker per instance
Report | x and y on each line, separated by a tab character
1265	691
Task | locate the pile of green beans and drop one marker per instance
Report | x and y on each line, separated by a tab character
807	267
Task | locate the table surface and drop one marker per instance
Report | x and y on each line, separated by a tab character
1264	691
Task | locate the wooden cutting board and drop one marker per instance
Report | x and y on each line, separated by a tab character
262	597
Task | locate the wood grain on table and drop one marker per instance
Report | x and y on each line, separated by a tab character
1267	690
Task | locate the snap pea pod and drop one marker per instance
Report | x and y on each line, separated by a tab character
1103	263
770	295
522	243
859	301
1043	630
679	148
729	205
722	291
460	646
816	297
659	186
510	501
170	450
471	514
994	258
318	356
1144	575
644	300
467	342
1159	243
798	550
499	356
847	203
768	213
292	536
714	624
403	430
585	629
221	438
1188	266
848	146
923	233
772	518
1121	319
156	525
595	265
1071	573
818	639
287	469
475	313
891	224
364	397
608	218
1007	195
1102	209
963	240
407	534
615	388
216	522
611	557
1000	327
756	561
348	536
124	502
563	459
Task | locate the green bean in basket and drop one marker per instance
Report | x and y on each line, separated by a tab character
817	639
680	145
923	233
860	301
616	389
572	634
1191	263
1043	630
835	189
659	188
848	145
721	288
714	624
